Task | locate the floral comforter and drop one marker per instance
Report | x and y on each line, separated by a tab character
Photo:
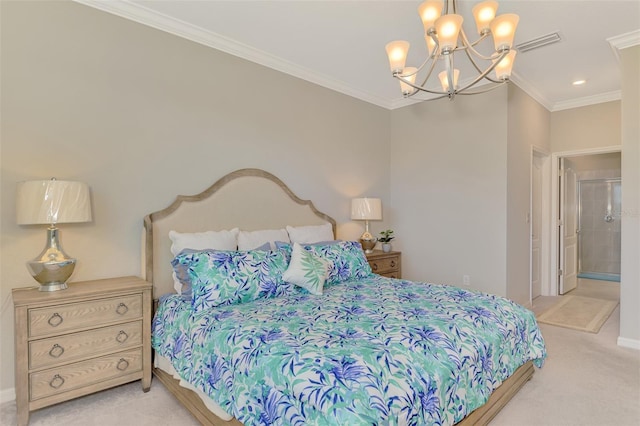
375	351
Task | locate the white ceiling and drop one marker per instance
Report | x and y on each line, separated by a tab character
340	44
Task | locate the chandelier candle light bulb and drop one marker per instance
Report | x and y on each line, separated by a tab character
445	37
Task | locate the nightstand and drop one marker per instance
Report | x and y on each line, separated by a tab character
69	343
385	264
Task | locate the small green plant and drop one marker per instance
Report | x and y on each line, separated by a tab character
386	236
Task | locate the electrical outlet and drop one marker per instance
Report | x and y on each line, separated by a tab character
466	280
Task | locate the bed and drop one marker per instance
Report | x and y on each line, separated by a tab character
364	349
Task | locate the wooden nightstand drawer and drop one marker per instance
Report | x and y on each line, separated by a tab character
82	374
381	266
385	264
73	316
61	349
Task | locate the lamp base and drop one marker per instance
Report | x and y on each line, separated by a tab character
368	242
53	267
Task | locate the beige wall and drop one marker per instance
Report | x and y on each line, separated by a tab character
630	267
593	126
448	186
528	126
142	116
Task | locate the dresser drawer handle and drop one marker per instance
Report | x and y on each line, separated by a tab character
56	351
55	320
374	266
122	365
122	337
56	382
393	263
122	309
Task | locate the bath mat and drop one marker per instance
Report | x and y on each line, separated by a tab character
579	313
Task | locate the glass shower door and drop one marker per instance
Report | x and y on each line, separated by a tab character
599	225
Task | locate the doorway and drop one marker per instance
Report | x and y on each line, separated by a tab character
568	171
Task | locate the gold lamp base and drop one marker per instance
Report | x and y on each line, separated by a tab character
53	267
368	242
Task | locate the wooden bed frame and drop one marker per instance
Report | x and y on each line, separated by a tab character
253	199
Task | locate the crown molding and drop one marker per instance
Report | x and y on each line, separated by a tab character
142	15
623	41
587	100
530	90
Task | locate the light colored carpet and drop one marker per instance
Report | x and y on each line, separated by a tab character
579	313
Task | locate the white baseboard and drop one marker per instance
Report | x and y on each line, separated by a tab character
7	395
629	343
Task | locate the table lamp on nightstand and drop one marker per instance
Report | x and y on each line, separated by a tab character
49	202
366	209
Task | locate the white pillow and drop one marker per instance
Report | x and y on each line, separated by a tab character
249	240
307	270
310	234
214	240
220	240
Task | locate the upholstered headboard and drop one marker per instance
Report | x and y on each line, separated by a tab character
249	199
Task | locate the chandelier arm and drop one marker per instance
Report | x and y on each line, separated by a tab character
480	77
420	88
477	92
469	46
502	55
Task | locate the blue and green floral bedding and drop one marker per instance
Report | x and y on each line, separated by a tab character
368	351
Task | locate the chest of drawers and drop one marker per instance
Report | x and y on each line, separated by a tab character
385	264
92	336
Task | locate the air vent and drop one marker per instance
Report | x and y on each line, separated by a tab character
538	42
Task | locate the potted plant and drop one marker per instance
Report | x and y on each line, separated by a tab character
385	240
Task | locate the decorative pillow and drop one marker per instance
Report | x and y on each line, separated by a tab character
228	277
213	240
310	234
347	260
306	270
249	240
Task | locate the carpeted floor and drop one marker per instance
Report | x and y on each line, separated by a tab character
586	380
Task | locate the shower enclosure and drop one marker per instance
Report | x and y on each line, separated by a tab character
599	229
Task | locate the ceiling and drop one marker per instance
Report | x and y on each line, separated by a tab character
340	44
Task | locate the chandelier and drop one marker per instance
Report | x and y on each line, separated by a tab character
445	38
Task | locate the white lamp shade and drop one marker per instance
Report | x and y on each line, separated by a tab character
52	201
503	28
448	28
503	69
409	74
366	209
444	79
429	11
484	13
397	52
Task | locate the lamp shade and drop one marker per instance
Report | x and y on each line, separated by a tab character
397	52
52	201
366	209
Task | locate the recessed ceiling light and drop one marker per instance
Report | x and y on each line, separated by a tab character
579	82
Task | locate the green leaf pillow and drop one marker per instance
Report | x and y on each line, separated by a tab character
307	270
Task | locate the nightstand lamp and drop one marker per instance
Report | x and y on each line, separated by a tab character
366	209
49	202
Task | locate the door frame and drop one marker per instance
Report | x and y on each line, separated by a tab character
552	289
545	212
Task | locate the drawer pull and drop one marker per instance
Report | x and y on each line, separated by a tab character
393	263
55	320
122	337
56	382
122	309
56	351
374	266
122	365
